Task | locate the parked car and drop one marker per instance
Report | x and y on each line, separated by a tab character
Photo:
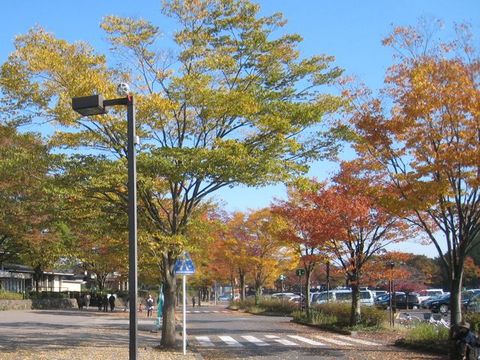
366	297
471	300
429	293
426	304
286	295
442	305
400	301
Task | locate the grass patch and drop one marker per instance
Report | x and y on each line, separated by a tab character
337	316
265	306
7	295
426	337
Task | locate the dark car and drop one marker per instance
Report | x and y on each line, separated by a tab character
426	304
401	301
442	305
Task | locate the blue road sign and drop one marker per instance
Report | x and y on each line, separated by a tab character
184	265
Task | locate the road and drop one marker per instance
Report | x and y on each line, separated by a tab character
213	333
217	333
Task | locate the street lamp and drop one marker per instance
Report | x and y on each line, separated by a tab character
96	105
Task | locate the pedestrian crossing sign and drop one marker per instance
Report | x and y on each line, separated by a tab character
184	265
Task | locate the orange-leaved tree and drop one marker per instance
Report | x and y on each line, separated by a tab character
354	211
425	138
301	231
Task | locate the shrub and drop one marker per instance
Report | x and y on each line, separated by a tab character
48	295
7	295
427	334
373	316
242	304
265	305
338	315
473	318
278	306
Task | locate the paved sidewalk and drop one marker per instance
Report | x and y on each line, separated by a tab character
74	334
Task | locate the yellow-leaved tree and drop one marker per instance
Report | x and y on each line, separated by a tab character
230	105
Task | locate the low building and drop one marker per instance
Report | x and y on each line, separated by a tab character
20	278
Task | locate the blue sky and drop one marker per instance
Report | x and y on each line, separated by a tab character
349	30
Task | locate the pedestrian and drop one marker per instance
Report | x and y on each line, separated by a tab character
87	300
111	300
105	303
150	303
193	301
99	300
466	341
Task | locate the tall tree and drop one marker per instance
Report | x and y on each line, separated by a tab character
425	138
266	251
25	189
231	107
360	225
302	233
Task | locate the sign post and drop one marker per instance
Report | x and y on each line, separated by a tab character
184	266
300	273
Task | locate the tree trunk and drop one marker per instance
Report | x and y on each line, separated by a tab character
308	277
258	291
241	275
168	327
455	309
355	314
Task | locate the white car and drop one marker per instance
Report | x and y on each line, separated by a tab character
287	296
367	297
429	293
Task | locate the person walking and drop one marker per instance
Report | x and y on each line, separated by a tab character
193	301
105	303
149	305
111	301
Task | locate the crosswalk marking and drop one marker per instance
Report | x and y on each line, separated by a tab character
215	311
255	340
204	341
333	341
230	341
306	340
355	340
339	340
281	341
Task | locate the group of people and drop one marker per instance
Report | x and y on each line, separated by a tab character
103	302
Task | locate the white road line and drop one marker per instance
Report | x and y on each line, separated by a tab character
333	341
281	341
355	340
306	340
230	341
197	312
204	341
216	311
255	340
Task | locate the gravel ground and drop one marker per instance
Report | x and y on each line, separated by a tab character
94	353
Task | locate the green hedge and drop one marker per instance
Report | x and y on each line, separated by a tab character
473	318
338	315
7	295
265	306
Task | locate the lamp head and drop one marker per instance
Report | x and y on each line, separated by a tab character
88	105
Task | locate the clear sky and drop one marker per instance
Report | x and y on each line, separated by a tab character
349	30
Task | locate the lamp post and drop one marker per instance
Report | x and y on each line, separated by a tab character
96	105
